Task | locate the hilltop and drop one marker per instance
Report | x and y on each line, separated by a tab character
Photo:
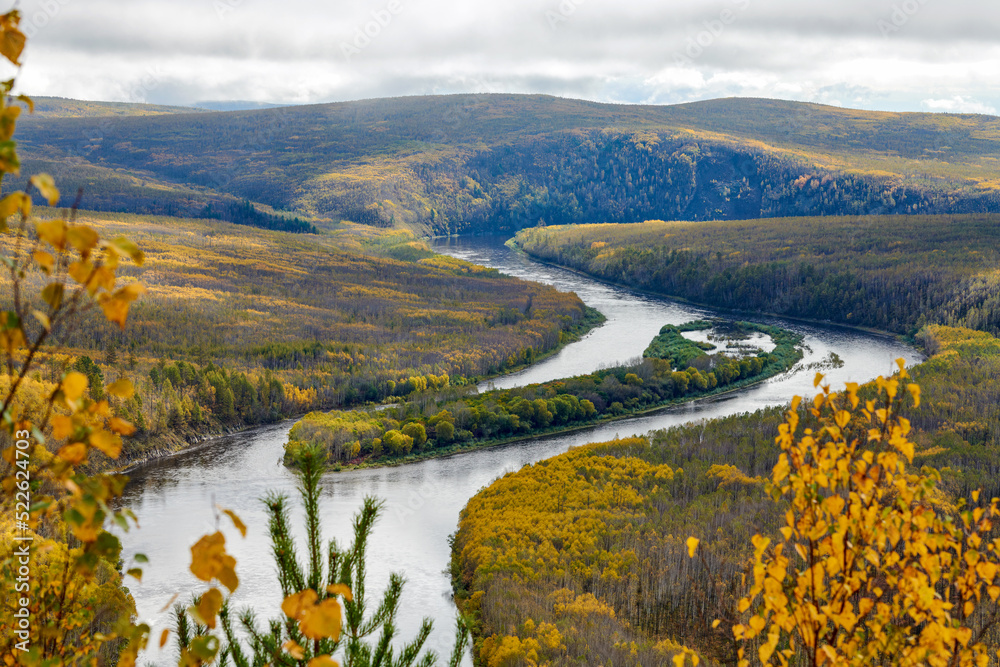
63	107
470	163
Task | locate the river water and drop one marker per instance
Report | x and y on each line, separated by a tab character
175	498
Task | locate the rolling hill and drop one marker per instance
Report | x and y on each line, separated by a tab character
469	163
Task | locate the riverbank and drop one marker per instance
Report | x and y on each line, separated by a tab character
592	319
176	498
165	446
513	245
159	446
503	406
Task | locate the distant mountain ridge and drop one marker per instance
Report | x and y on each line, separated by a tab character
472	163
62	107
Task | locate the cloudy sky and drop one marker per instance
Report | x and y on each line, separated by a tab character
905	55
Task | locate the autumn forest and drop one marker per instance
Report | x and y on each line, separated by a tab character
244	312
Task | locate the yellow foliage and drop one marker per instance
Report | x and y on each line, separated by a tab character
869	564
730	474
209	561
68	613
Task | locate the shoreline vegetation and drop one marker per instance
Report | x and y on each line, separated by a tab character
343	315
585	554
439	422
162	449
878	274
514	246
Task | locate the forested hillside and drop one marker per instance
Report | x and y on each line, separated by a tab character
62	107
240	327
893	273
503	162
583	557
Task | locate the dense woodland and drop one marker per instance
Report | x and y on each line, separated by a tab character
239	329
437	419
893	273
469	163
583	557
580	558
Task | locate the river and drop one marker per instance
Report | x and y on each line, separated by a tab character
174	498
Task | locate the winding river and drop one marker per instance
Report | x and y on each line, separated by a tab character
175	497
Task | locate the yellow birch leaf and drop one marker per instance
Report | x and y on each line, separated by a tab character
293	649
322	620
73	453
121	388
107	442
209	560
12	42
121	426
47	186
131	292
209	606
122	247
296	603
80	271
52	232
163	637
102	277
83	238
14	202
115	310
240	526
53	295
42	318
45	260
62	427
73	385
322	661
342	590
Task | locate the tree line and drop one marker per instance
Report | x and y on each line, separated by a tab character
585	555
893	273
436	418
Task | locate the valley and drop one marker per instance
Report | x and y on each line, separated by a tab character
395	334
424	498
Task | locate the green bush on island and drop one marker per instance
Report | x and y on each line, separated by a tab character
429	423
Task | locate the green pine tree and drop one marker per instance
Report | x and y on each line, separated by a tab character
358	647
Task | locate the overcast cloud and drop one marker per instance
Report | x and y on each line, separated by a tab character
899	55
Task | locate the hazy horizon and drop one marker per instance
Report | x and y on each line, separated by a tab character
889	55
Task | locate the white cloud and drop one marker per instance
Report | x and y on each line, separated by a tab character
604	50
959	104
